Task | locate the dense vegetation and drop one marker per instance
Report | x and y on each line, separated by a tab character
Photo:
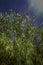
21	43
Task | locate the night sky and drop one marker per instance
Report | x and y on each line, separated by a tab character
31	7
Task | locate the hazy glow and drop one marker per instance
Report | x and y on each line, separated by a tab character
37	4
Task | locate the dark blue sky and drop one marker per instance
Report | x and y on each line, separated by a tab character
21	6
18	5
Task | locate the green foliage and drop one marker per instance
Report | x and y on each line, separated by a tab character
20	42
6	49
